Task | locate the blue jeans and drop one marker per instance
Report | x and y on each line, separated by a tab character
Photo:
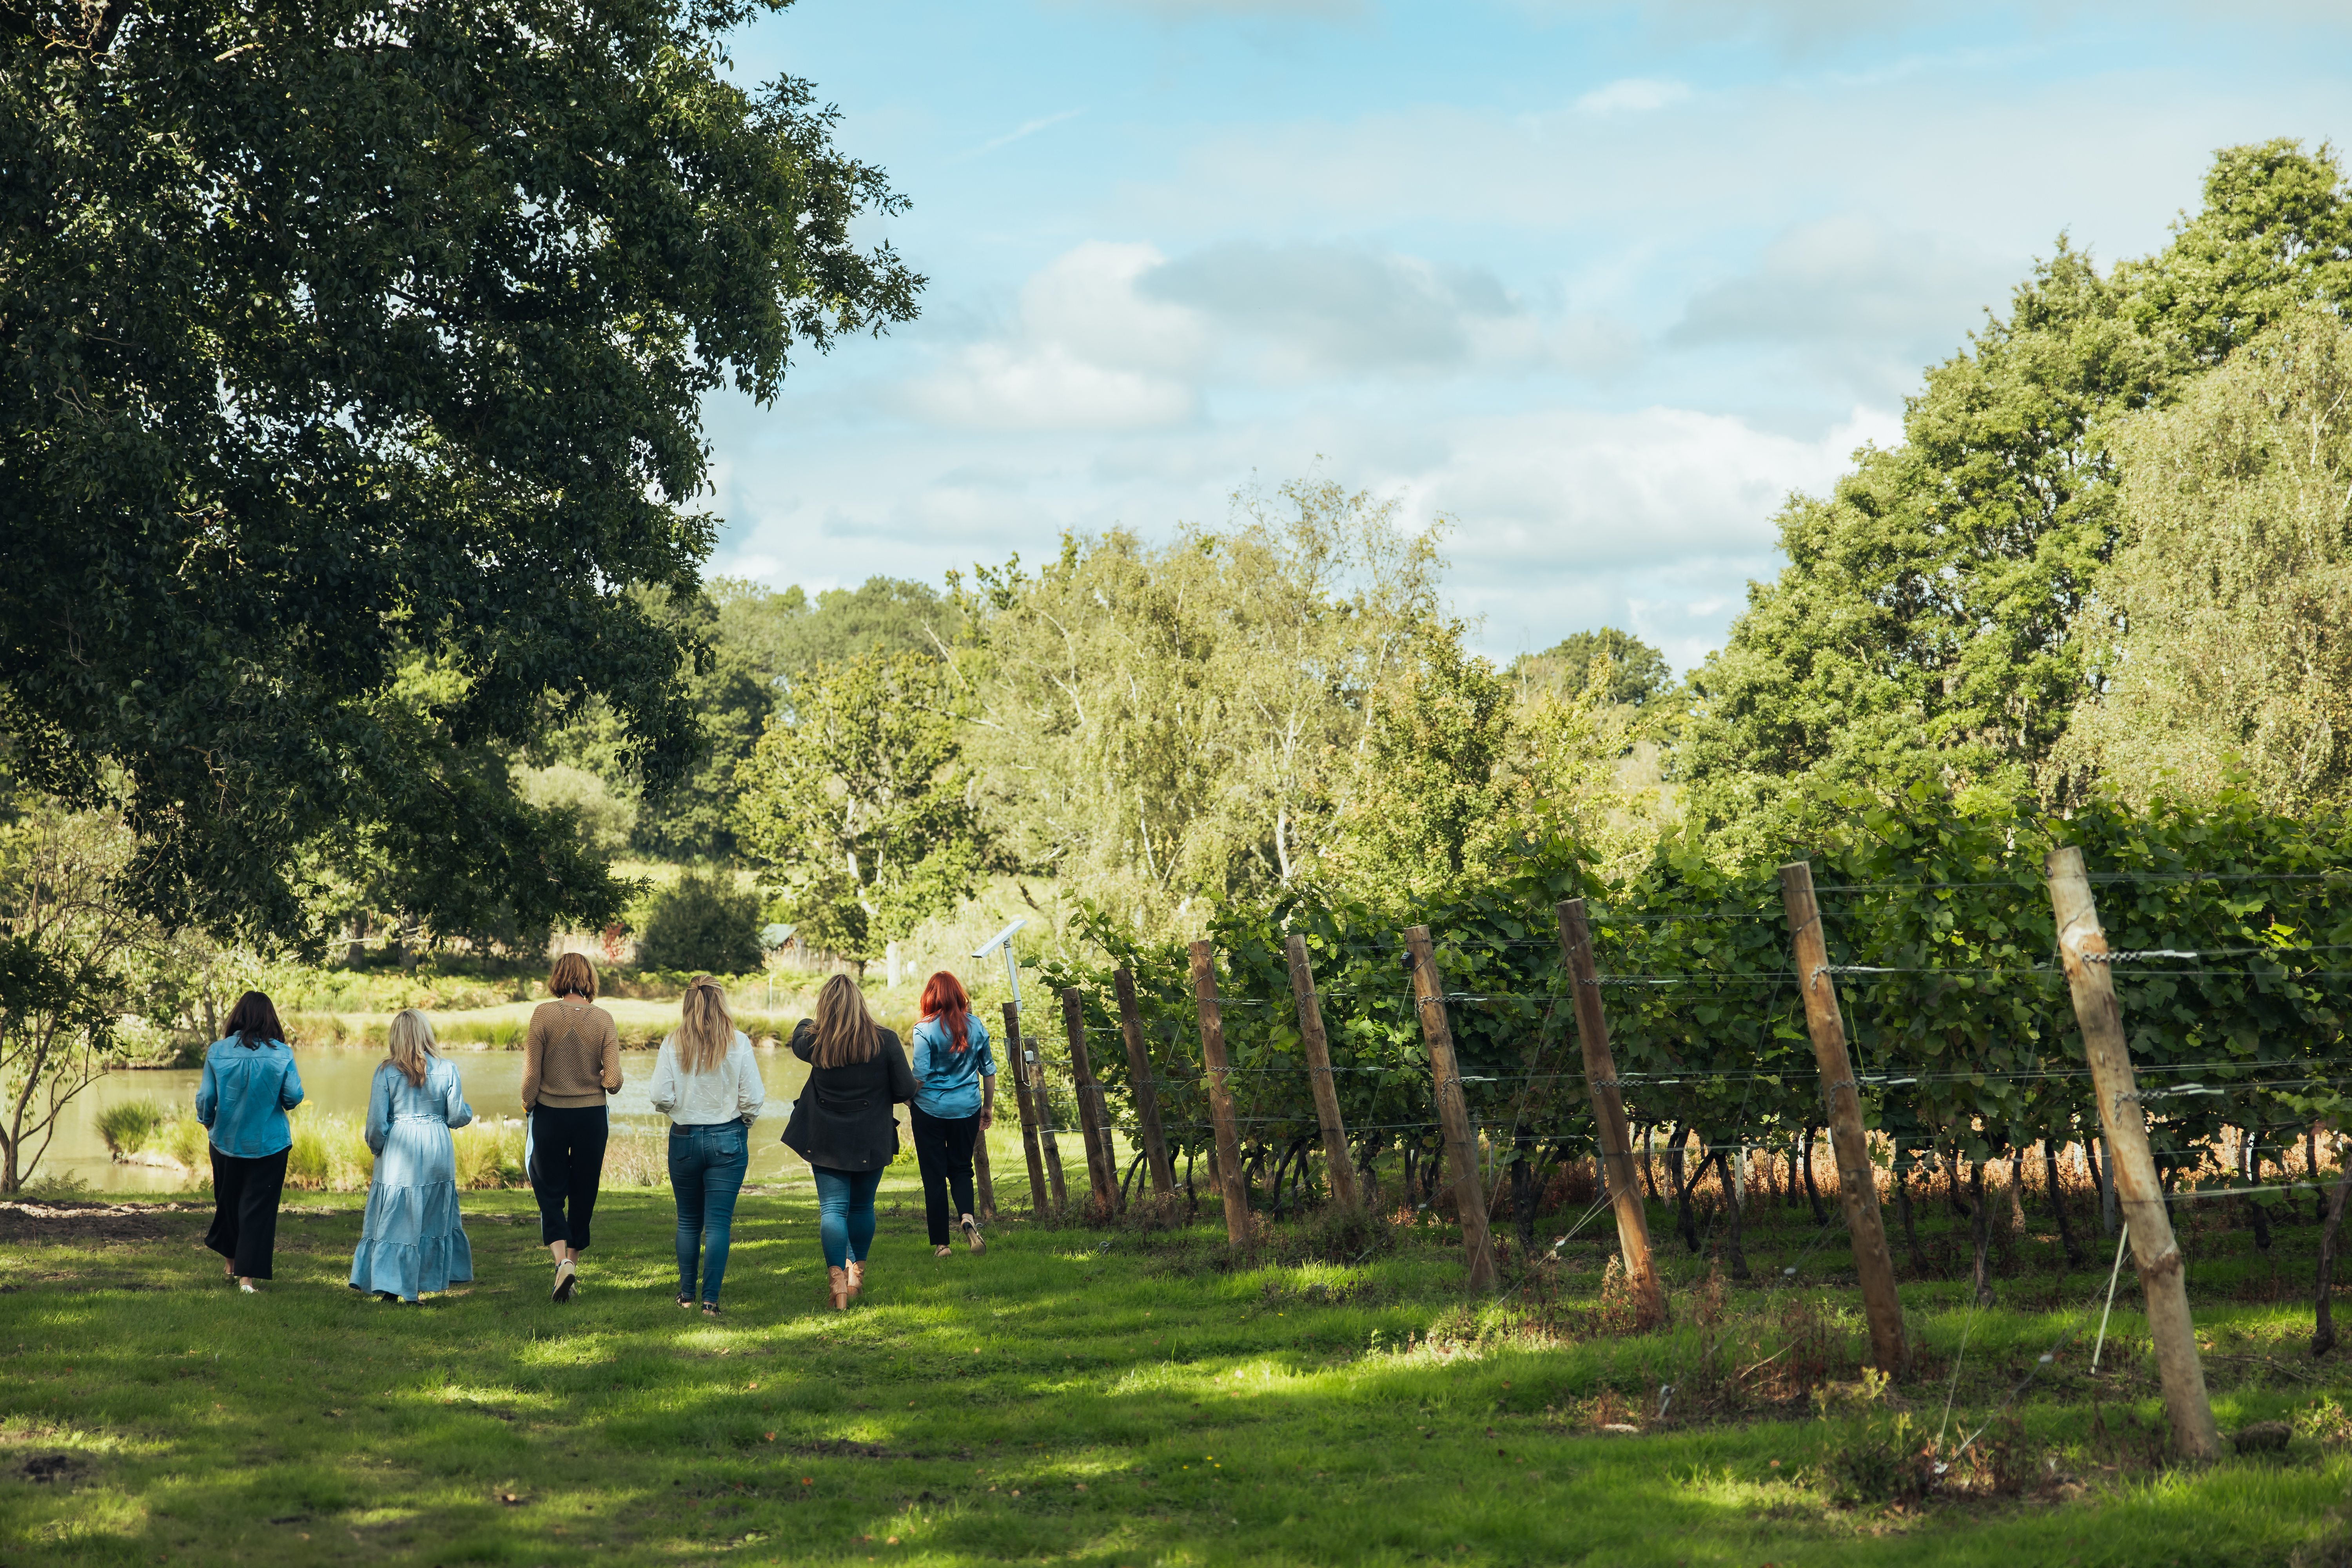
844	1212
706	1171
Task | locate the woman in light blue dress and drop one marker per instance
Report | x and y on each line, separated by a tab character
413	1239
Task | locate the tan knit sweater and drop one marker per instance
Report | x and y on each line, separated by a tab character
572	1056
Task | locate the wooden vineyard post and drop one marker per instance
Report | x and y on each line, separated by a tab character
1453	1108
1033	1062
1609	1114
1221	1094
1857	1184
1028	1112
983	1186
1102	1167
1145	1093
1318	1074
2083	949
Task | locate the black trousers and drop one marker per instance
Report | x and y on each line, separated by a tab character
567	1161
244	1210
943	1154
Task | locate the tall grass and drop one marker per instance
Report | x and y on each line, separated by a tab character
128	1125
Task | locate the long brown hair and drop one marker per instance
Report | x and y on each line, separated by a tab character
845	1031
412	1043
944	999
253	1021
705	1027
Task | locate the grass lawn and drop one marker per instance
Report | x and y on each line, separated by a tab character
1091	1397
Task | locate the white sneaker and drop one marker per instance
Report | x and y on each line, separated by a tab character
567	1274
247	1286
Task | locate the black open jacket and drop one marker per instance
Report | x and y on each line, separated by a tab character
843	1120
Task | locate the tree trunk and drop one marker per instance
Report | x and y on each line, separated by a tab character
1731	1213
1523	1204
1980	1221
2058	1206
1952	1184
1686	1176
2323	1335
2017	1190
2311	1169
2100	1180
1649	1164
2249	1161
1910	1230
1812	1193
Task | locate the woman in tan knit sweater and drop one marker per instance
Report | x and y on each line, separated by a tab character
571	1061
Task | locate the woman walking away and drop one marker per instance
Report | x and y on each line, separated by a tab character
708	1083
413	1239
842	1123
249	1086
955	1100
571	1061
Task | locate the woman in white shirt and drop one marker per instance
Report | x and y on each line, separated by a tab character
708	1083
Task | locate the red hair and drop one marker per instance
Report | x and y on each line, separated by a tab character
944	999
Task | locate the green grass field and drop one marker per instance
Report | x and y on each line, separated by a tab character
1101	1397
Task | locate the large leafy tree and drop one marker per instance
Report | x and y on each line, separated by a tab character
2235	586
1930	623
858	804
338	335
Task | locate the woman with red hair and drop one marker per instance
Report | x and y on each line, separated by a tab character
955	1099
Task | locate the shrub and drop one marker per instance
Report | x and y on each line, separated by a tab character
128	1125
701	921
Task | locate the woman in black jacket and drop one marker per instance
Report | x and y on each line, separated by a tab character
842	1124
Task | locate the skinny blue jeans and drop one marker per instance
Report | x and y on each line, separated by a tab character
706	1171
844	1212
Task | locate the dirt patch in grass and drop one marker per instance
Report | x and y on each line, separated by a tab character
36	1222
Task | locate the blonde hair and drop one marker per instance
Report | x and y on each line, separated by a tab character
845	1031
573	975
705	1027
412	1043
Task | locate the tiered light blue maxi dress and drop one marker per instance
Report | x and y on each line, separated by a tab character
413	1239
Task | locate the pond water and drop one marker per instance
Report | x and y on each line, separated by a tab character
336	1081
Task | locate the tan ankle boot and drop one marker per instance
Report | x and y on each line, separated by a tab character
856	1275
839	1280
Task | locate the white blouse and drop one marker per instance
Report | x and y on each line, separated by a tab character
731	1091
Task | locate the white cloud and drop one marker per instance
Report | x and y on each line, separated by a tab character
1634	94
1015	134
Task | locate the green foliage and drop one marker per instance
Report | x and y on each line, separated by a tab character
1931	623
128	1125
1165	727
2234	591
1637	672
339	337
700	921
857	801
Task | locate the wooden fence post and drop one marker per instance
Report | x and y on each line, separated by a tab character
1102	1168
1033	1062
1145	1093
1453	1108
2083	949
983	1186
1318	1074
1857	1184
1037	1188
1624	1188
1221	1095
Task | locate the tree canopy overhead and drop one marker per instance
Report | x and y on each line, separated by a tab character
1930	622
336	336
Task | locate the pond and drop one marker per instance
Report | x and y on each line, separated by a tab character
336	1081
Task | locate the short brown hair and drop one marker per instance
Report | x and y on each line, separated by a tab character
573	975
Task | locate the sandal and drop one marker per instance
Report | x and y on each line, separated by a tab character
971	1235
710	1309
941	1250
685	1300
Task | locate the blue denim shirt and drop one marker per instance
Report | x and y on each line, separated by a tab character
950	1078
245	1095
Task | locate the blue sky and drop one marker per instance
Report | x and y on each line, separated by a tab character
1598	284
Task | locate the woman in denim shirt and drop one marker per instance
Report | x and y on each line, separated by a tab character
249	1086
955	1100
